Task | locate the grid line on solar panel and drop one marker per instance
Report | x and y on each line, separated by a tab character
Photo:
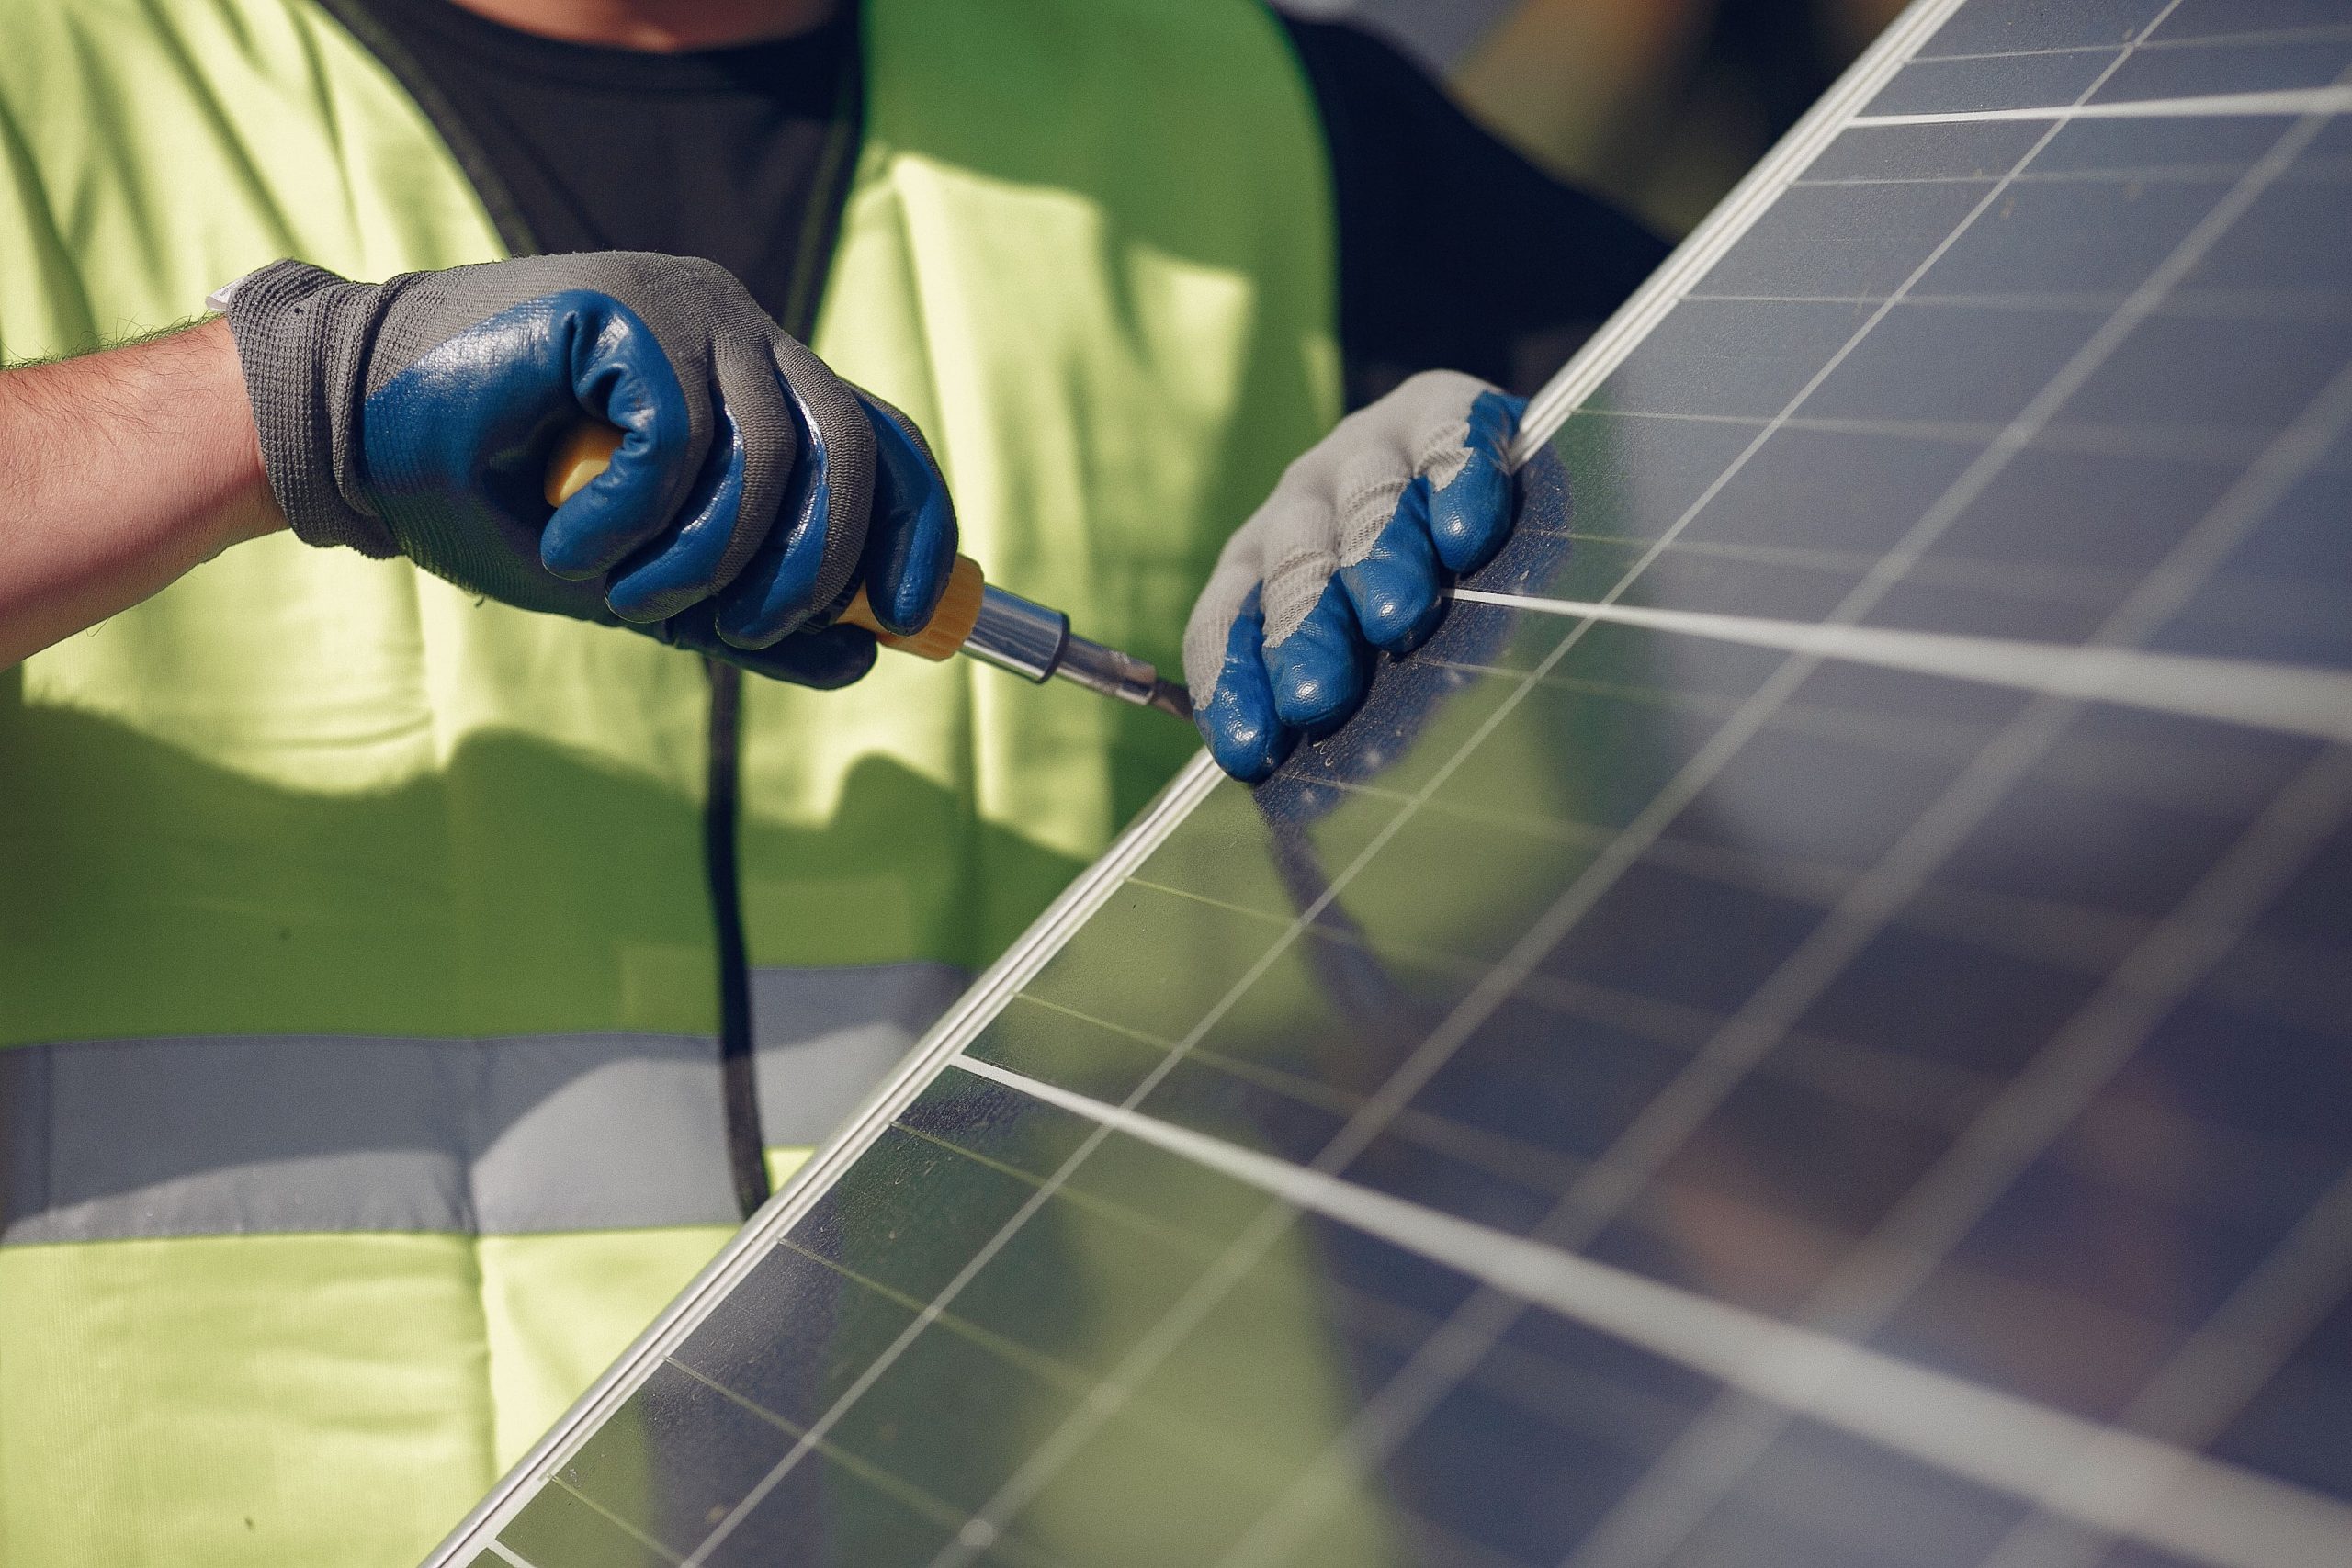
2230	306
1068	1377
614	1519
2316	33
2286	102
2292	699
2072	584
1214	1451
813	1435
2027	600
2218	445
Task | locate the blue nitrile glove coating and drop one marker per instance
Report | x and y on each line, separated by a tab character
1394	586
1351	553
1471	516
785	579
454	452
1318	672
1237	719
910	548
824	656
738	513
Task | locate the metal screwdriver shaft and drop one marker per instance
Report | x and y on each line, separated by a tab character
1036	643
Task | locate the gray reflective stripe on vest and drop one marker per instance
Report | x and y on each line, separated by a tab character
104	1140
213	1136
825	1037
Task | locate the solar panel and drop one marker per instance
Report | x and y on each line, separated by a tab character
1807	1026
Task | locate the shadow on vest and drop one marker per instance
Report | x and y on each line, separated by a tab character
481	1001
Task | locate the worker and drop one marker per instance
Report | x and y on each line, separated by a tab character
429	923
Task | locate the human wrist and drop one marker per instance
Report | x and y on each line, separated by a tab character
227	463
298	334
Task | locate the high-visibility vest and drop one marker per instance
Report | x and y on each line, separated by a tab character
358	1090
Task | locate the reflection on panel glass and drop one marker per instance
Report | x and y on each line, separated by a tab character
1644	1093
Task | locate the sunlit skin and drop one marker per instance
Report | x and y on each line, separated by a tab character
123	470
119	472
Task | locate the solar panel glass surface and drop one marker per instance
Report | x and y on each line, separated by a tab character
1808	1025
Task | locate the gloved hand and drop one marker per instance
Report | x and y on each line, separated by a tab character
1349	553
753	487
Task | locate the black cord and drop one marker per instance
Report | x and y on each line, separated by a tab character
746	1147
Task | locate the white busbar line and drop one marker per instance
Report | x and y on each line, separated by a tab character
2180	1501
2280	101
2292	698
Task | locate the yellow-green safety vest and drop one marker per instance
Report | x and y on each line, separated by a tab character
358	1087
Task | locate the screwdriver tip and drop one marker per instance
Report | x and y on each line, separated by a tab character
1170	698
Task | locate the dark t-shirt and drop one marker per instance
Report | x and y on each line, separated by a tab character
1454	251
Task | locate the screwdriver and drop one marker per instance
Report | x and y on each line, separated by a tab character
973	616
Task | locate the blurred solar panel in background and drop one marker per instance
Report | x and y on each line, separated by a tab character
1661	105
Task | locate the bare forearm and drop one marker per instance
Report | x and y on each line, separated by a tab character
119	472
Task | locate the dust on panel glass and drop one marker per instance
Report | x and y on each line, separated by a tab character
1993	82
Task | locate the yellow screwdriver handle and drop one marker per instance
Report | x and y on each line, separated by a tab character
583	453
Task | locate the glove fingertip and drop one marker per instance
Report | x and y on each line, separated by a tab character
1394	586
1470	518
1236	715
698	555
1318	670
1242	733
1494	421
911	543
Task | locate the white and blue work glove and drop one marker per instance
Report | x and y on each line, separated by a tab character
751	492
1352	552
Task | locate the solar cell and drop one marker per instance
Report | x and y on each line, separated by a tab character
1807	1025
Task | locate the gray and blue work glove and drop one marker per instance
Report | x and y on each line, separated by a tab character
1351	553
752	489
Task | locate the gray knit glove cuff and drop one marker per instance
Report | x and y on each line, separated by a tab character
303	335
